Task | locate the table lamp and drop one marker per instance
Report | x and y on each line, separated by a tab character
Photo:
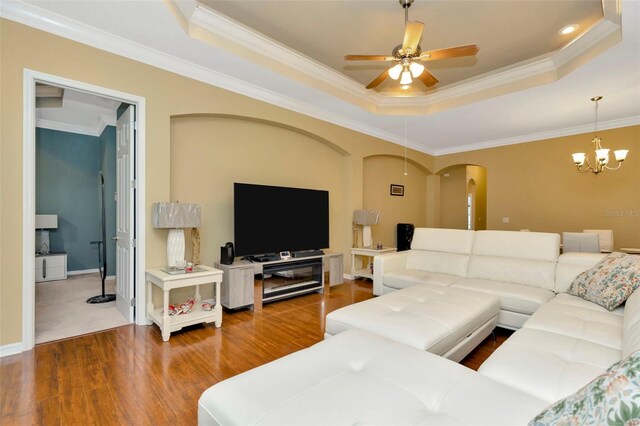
366	218
43	223
175	216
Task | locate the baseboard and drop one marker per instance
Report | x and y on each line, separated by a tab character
347	276
83	271
10	349
90	271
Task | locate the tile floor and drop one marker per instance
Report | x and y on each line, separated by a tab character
62	311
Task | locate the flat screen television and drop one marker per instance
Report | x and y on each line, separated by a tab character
272	219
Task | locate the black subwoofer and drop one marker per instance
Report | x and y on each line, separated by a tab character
404	233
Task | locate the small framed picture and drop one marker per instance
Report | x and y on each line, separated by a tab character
397	190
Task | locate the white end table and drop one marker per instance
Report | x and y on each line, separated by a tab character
168	282
366	254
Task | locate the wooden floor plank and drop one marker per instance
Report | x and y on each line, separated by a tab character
128	375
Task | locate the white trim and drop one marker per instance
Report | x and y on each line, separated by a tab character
240	35
347	276
28	211
66	127
30	78
544	67
83	271
556	133
90	271
10	349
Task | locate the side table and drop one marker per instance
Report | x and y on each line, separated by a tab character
167	282
366	254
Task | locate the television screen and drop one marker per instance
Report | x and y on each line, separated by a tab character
271	219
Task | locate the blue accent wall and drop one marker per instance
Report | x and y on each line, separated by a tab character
68	184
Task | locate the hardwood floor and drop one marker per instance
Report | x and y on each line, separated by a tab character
129	376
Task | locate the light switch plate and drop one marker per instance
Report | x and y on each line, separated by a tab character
505	220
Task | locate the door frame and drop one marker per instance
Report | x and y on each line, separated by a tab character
30	77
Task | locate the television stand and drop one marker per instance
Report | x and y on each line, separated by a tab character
249	284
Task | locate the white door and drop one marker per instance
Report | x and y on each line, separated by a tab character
125	227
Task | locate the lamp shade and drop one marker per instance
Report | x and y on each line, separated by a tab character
46	221
176	215
366	217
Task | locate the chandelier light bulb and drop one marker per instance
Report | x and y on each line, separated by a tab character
416	69
406	78
578	158
621	154
602	155
394	71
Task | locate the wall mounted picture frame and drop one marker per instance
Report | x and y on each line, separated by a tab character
397	190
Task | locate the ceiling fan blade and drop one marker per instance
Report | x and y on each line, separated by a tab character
449	52
379	79
412	34
369	58
427	78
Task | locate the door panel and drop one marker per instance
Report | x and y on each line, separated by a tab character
125	277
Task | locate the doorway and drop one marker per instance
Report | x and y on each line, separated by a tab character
129	279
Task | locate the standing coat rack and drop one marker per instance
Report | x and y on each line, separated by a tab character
102	255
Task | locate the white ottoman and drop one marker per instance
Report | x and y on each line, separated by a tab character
359	378
445	321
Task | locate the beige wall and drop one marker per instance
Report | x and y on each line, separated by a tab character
453	198
479	176
379	173
167	95
264	153
537	187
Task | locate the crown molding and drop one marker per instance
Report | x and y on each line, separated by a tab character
66	127
243	41
207	25
33	16
557	133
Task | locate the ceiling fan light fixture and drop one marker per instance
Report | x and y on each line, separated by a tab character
405	87
406	78
394	71
416	69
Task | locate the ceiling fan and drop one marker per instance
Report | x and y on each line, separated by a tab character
407	55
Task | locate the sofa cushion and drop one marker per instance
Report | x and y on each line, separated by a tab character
410	277
435	261
521	245
612	398
428	317
572	264
571	316
513	297
361	378
443	240
610	282
547	365
534	273
631	324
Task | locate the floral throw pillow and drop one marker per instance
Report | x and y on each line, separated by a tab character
610	282
613	399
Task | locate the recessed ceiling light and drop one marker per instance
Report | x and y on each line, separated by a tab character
568	29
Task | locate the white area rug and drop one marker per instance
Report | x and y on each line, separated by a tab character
62	310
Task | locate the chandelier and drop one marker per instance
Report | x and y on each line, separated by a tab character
601	158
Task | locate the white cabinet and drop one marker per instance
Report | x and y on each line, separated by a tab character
50	267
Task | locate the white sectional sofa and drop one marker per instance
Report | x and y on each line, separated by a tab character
356	377
517	267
